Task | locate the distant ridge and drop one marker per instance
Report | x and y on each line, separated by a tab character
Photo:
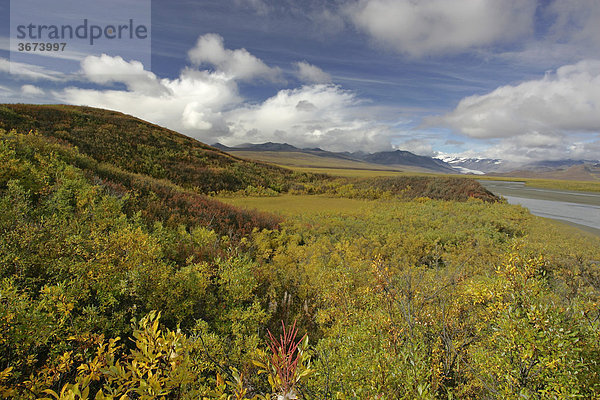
401	157
397	158
282	147
269	146
577	172
546	165
569	169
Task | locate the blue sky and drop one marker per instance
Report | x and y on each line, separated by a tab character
513	79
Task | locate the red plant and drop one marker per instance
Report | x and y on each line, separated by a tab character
285	356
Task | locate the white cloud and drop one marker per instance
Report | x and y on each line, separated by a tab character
570	32
420	28
567	100
192	103
314	115
534	147
107	69
417	146
238	64
31	90
206	104
310	73
536	119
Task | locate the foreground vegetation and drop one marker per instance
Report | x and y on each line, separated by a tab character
118	284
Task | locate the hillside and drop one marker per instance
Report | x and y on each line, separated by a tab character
141	147
406	158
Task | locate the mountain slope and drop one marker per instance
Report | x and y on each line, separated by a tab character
400	157
286	148
386	160
476	165
584	172
141	147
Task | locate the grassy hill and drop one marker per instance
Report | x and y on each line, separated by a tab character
141	147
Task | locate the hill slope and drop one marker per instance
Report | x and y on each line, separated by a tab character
400	157
141	147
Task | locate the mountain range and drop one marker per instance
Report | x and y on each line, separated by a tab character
399	159
286	154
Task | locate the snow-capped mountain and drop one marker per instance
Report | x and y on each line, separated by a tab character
478	166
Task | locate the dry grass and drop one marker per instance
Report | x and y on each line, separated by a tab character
299	204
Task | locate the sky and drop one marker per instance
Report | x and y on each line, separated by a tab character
510	79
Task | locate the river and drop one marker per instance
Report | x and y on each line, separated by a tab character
581	209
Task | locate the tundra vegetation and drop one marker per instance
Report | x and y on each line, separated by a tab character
124	275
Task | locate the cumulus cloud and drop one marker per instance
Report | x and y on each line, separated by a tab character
566	100
310	73
421	147
538	118
192	103
570	33
106	69
238	64
31	90
314	115
533	147
207	105
420	28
